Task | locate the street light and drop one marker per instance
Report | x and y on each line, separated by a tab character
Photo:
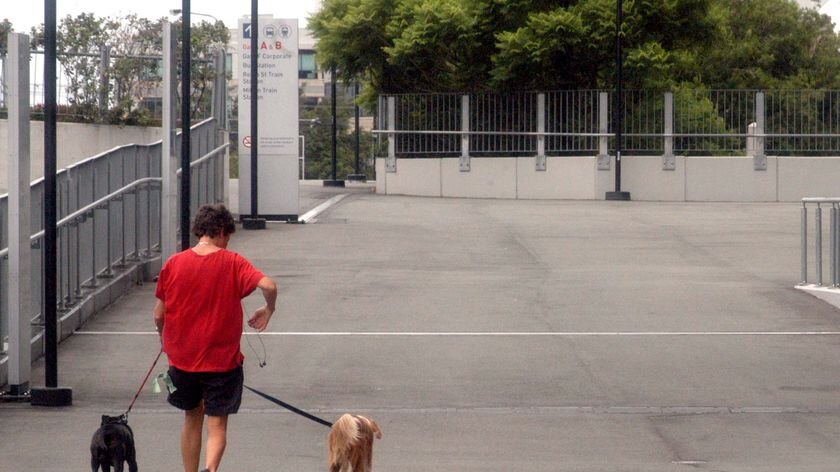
177	11
619	110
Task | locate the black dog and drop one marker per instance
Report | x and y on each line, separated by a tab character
112	445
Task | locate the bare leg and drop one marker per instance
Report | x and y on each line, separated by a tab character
191	438
216	441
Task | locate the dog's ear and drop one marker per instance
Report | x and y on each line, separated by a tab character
105	419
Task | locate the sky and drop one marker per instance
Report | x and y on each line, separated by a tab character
24	14
832	9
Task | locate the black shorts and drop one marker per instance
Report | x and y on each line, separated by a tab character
221	391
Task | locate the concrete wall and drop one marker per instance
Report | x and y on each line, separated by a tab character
76	141
700	179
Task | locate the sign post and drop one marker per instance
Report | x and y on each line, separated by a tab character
277	141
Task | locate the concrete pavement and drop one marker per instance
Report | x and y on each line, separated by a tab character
497	335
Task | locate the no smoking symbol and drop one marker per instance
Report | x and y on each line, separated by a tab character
246	141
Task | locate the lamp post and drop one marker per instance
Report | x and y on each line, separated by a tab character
619	109
177	11
254	221
357	176
333	182
186	174
51	394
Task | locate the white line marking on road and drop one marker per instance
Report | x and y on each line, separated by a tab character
311	214
508	334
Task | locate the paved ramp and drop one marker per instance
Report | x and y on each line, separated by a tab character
495	336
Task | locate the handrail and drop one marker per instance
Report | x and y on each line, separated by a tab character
114	150
205	157
112	196
610	134
834	241
87	208
820	200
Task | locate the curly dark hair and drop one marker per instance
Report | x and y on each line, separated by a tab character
213	220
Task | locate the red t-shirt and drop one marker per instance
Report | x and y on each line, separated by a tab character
203	309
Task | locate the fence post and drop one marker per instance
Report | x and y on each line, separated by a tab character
668	160
837	245
169	163
603	129
20	262
759	158
465	134
803	245
219	90
834	246
391	160
104	68
540	165
818	244
222	123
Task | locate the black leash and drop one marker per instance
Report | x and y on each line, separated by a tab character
125	415
290	407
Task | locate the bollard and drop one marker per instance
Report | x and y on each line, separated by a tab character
803	245
835	245
818	244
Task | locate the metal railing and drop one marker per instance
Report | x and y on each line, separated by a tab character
108	80
833	204
574	122
109	217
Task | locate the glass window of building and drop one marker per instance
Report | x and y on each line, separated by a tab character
306	65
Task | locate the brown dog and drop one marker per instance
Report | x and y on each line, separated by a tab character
350	444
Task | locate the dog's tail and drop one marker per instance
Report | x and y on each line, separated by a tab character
343	434
374	427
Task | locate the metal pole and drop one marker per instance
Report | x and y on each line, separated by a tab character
185	123
619	108
254	110
357	175
356	117
51	395
833	245
169	163
104	66
334	135
50	196
333	182
837	245
254	221
803	245
818	244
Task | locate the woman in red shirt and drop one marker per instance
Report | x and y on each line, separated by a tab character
199	317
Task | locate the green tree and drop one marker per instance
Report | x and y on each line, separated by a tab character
135	71
507	45
318	136
771	44
206	38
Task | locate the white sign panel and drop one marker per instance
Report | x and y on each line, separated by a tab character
277	95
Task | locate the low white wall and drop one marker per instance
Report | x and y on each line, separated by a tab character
702	179
644	178
487	178
403	182
730	179
803	177
76	141
564	178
